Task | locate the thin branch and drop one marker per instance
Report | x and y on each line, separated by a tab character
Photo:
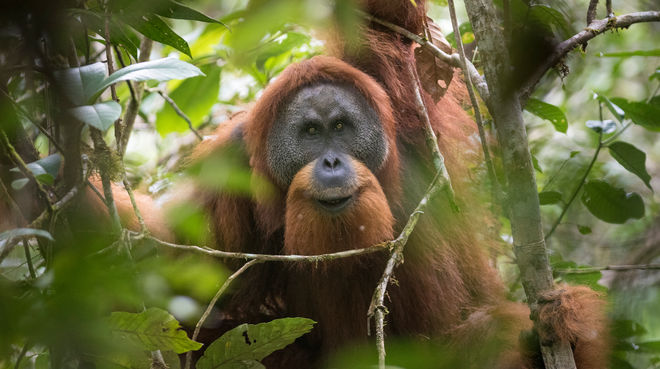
377	309
133	107
180	113
616	268
28	259
495	187
111	69
265	257
579	187
215	298
102	150
453	59
594	29
432	140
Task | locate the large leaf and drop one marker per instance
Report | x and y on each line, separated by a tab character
82	83
613	108
152	329
643	114
611	204
632	159
550	197
44	170
100	116
156	29
25	232
242	346
157	70
120	34
434	74
625	54
194	97
548	112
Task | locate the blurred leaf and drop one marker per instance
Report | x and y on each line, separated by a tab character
550	197
100	116
25	232
120	34
624	328
551	18
156	29
463	28
195	97
611	204
606	126
584	229
247	343
618	113
631	158
655	75
176	10
535	164
548	112
156	70
19	183
643	114
82	83
652	347
153	329
625	54
587	279
620	363
279	46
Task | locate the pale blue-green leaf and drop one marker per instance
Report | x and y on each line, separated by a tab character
618	113
101	115
606	126
632	159
25	232
156	70
81	84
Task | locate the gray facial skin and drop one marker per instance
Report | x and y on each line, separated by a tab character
320	120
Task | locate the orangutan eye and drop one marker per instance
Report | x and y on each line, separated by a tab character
339	126
312	130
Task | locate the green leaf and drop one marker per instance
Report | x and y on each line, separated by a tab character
100	116
625	54
587	279
548	112
25	232
632	159
152	329
241	346
195	97
44	170
584	229
655	75
176	10
623	328
641	113
535	164
611	204
606	126
551	18
82	83
156	29
157	70
618	113
120	34
550	197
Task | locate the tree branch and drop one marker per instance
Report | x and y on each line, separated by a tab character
180	113
215	298
616	268
594	29
453	59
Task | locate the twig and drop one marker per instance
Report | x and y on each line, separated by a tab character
377	309
111	69
594	29
265	257
453	59
432	140
582	180
28	259
102	150
616	268
133	107
136	210
215	298
180	113
495	186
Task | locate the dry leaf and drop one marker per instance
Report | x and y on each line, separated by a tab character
434	74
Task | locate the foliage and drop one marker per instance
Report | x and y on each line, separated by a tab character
106	302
